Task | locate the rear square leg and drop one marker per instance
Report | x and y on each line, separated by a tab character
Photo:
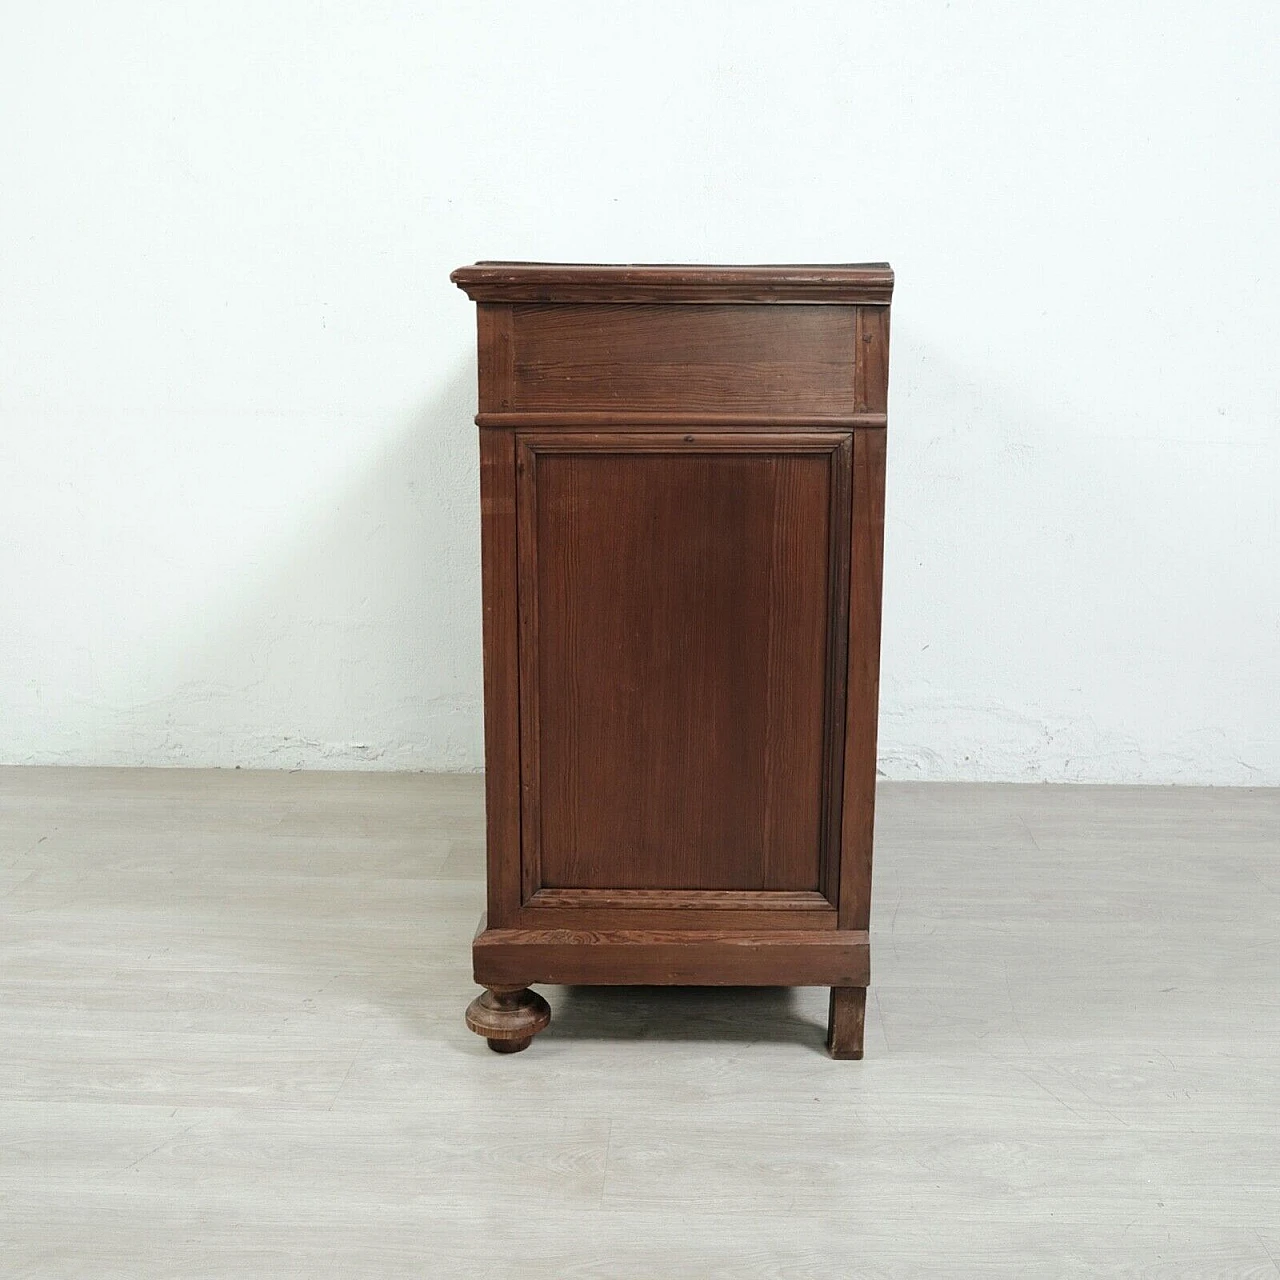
846	1014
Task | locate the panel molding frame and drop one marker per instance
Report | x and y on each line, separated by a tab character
525	898
682	899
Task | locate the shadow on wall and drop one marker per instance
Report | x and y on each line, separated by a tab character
360	644
1042	605
995	563
1053	571
356	642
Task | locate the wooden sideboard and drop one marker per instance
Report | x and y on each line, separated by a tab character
682	509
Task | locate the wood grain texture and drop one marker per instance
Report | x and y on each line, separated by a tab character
231	1044
846	1016
501	670
678	661
678	420
508	1017
864	282
677	909
685	613
685	900
702	957
862	715
871	379
669	909
495	355
835	692
607	357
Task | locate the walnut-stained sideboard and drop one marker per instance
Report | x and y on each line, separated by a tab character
682	497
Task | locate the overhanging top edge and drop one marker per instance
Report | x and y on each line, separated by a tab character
865	282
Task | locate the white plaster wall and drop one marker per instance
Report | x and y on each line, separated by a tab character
238	518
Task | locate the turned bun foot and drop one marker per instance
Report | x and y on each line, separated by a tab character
508	1017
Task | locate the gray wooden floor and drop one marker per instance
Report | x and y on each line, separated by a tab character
231	1044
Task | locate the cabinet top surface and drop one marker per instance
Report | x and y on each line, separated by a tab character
868	283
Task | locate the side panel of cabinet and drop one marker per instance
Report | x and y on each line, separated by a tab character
682	632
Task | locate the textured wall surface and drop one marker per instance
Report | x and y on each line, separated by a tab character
238	517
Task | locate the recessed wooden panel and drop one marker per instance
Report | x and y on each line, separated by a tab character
676	602
794	360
